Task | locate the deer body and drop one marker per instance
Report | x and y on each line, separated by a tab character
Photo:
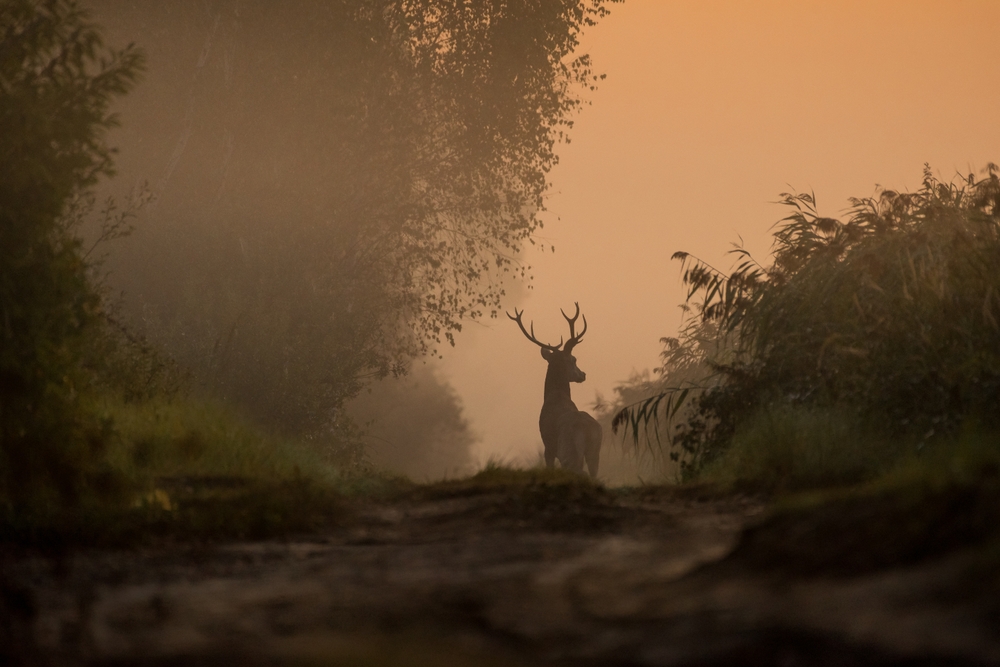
569	434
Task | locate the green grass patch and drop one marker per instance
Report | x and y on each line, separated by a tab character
196	471
791	448
189	470
187	438
968	458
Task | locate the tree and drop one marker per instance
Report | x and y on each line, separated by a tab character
344	182
57	82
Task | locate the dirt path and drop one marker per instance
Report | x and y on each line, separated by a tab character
494	578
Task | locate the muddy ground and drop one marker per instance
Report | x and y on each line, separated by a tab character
579	576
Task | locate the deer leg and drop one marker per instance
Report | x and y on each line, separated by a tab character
593	448
550	458
593	457
571	453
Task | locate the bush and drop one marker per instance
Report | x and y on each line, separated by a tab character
894	311
414	426
687	370
56	84
892	315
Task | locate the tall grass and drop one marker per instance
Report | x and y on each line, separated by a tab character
186	437
967	457
790	448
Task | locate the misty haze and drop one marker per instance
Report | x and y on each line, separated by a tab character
504	332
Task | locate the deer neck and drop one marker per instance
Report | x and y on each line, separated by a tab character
557	388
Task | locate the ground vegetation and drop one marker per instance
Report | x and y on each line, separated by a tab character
864	340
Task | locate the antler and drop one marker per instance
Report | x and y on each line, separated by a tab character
531	336
574	338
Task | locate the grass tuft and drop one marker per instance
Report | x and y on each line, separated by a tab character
498	476
790	448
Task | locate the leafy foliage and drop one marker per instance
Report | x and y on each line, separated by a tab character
689	369
378	195
57	82
891	314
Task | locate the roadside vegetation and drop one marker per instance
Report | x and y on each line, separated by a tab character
854	378
863	343
857	371
205	396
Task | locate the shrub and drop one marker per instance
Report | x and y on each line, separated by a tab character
892	315
56	84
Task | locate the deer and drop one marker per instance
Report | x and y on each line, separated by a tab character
570	435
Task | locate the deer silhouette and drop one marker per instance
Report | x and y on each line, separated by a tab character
569	434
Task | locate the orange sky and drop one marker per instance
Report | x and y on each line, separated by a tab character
710	110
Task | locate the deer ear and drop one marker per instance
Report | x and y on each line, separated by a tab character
547	354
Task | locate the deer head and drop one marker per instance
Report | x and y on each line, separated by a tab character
560	357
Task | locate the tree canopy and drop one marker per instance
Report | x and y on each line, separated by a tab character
340	184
